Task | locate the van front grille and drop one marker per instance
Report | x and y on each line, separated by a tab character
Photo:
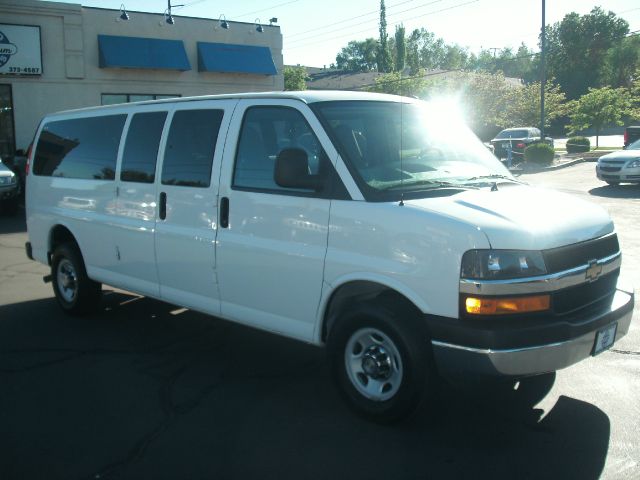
579	254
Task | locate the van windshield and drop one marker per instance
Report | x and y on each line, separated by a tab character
412	148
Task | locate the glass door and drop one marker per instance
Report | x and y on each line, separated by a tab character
7	133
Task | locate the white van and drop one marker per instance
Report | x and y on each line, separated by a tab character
375	225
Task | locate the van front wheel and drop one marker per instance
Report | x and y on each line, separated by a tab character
76	293
380	362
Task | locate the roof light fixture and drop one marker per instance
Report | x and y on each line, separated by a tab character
222	21
273	20
258	25
168	18
123	14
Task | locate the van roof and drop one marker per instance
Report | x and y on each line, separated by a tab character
305	96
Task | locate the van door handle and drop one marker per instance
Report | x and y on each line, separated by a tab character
163	206
224	212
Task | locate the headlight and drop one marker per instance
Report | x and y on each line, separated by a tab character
634	163
7	180
501	264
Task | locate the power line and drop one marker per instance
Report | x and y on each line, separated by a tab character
372	12
367	22
368	30
195	2
266	9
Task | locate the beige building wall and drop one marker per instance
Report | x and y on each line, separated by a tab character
72	77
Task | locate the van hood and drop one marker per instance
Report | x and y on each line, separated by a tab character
522	217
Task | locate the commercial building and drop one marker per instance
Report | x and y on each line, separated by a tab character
60	56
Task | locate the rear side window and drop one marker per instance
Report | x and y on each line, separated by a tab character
141	147
191	144
84	148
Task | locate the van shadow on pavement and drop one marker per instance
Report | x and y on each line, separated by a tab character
143	389
12	223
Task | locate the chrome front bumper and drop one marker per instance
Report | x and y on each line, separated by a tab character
458	359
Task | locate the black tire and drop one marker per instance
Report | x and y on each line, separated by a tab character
613	184
76	293
392	352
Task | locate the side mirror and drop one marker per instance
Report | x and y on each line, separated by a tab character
292	170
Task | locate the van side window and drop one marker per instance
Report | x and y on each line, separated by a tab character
266	131
84	148
141	147
188	156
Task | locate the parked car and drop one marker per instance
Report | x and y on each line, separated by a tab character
620	167
631	134
519	139
368	224
9	189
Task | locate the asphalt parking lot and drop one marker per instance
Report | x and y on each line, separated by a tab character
143	389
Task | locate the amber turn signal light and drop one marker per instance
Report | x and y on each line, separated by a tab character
500	306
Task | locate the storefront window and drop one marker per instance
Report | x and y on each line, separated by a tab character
7	134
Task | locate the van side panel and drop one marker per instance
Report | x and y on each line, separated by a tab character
72	184
408	250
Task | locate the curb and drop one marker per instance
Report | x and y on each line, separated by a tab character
550	168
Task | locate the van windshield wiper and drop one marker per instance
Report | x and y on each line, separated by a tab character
492	177
429	183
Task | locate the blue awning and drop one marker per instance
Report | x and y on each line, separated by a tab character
229	58
136	52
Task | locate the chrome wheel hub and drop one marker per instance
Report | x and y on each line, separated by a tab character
67	280
376	363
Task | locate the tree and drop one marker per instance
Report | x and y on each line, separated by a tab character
598	108
424	50
384	56
400	48
295	78
577	49
523	104
517	65
358	56
621	62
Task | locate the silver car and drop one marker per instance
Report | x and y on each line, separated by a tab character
622	166
9	189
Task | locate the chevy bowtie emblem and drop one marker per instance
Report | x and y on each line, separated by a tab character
593	271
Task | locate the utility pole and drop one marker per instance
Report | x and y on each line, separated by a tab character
543	76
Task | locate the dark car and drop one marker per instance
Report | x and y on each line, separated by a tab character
9	189
631	134
518	139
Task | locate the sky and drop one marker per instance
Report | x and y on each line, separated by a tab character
315	31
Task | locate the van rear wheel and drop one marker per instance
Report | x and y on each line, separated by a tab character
380	361
75	292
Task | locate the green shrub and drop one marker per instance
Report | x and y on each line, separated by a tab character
578	145
539	153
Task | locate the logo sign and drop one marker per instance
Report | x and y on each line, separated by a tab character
593	271
20	52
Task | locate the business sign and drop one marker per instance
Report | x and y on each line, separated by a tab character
20	50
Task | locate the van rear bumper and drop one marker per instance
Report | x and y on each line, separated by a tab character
454	359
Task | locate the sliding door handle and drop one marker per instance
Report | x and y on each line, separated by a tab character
163	206
224	212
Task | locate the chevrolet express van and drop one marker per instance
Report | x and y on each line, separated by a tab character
377	226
